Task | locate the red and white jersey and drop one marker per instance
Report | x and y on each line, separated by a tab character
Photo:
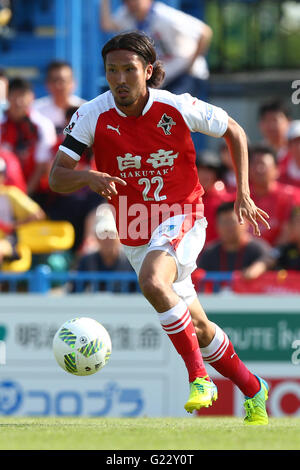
153	153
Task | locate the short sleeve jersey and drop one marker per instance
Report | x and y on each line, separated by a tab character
153	153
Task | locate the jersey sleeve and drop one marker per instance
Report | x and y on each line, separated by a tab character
202	117
79	134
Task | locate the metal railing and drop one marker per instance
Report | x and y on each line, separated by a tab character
41	280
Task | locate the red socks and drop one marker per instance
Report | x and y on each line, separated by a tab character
178	325
221	355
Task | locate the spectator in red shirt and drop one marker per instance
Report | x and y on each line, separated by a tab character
290	169
276	198
209	172
28	134
274	121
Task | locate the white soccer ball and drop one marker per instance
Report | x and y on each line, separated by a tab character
82	346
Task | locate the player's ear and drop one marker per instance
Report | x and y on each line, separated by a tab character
149	71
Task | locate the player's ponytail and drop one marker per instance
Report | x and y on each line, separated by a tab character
142	45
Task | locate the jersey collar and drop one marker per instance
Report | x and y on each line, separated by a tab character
146	108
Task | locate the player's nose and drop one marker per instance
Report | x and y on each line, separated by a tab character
121	78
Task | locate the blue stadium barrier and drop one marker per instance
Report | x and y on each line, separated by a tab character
41	280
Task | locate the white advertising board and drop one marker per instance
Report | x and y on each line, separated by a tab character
144	376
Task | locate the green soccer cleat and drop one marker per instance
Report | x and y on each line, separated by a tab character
255	407
202	393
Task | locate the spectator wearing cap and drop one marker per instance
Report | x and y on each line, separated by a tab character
274	197
289	253
235	249
108	255
210	169
290	168
16	208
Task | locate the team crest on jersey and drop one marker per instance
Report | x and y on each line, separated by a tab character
166	123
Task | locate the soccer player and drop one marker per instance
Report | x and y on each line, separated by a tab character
146	169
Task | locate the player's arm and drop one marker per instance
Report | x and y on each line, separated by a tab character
236	140
107	22
64	179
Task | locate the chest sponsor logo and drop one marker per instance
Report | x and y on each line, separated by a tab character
161	158
166	122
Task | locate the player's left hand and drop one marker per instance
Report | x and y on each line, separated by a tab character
246	209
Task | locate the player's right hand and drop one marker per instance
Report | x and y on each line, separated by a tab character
104	184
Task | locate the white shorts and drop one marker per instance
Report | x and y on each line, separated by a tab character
185	251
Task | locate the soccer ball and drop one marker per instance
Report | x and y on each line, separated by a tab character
82	346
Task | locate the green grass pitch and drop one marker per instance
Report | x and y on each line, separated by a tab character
222	433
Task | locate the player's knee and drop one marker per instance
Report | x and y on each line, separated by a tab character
151	286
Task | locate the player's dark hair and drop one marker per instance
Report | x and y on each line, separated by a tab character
56	65
227	206
142	45
273	106
261	149
19	84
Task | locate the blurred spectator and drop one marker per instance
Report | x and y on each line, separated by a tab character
210	172
289	253
14	173
290	168
277	199
60	84
181	40
236	249
16	208
274	121
3	91
109	255
29	135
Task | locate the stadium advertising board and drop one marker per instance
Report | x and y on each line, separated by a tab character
143	368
